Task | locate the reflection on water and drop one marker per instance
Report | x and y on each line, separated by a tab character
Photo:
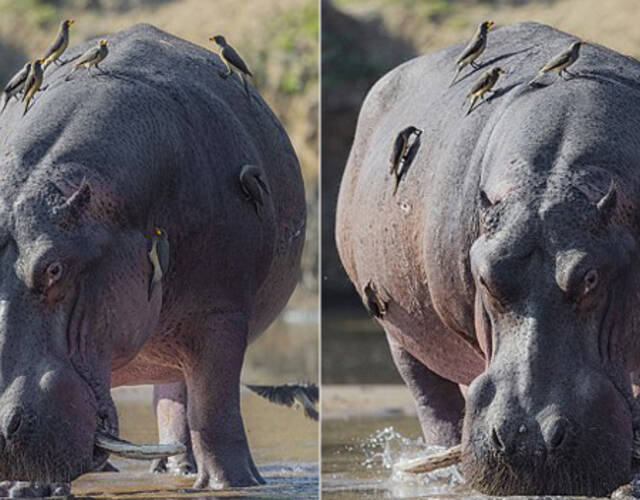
283	442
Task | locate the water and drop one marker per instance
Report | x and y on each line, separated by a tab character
358	458
283	443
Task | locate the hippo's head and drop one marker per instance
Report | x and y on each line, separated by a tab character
554	277
71	285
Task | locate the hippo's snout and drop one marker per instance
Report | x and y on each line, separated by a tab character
529	437
17	424
526	438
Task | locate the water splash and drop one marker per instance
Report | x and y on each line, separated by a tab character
387	447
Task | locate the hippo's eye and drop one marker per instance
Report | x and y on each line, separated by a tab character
590	281
54	273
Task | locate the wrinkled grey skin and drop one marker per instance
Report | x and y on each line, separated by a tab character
159	140
496	292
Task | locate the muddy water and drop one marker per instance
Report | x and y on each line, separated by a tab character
284	443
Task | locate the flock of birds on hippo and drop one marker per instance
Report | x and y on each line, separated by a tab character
407	141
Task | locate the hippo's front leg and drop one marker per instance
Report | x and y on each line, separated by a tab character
212	373
439	403
170	404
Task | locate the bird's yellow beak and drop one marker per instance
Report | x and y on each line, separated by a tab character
71	21
211	39
159	231
490	24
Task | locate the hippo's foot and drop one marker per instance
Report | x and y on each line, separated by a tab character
179	465
235	472
27	489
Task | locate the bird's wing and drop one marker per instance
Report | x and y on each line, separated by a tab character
474	46
279	394
31	78
311	390
234	58
557	61
18	79
309	409
251	185
481	84
398	146
55	45
288	394
163	254
263	183
88	56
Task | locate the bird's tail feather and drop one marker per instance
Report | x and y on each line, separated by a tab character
455	77
304	394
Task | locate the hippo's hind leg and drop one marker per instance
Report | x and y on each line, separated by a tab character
439	402
213	361
170	404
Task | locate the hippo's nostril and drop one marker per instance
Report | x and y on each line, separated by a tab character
556	433
495	439
14	424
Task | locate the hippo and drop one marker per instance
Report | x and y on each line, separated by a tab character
100	162
503	269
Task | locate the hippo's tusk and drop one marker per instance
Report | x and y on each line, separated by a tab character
432	462
120	447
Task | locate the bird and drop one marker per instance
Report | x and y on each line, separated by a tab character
375	306
253	182
158	251
92	57
400	151
32	83
484	85
15	85
560	62
231	60
473	49
304	394
59	45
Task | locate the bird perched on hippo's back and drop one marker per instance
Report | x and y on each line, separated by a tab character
14	86
33	83
561	61
483	85
473	49
92	57
231	60
59	45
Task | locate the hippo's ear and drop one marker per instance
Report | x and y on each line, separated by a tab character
607	204
71	209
